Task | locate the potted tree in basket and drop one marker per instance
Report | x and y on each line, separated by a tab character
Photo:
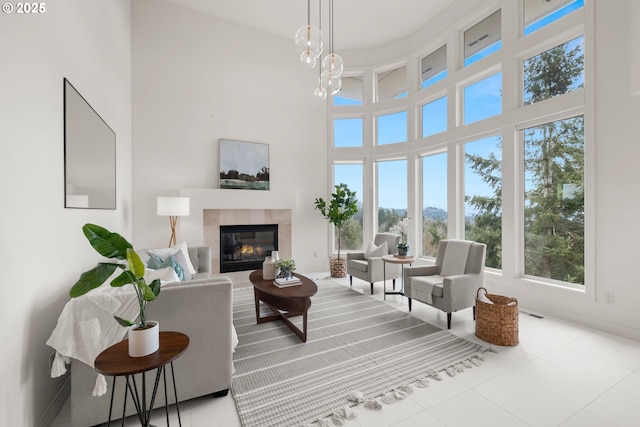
113	245
342	206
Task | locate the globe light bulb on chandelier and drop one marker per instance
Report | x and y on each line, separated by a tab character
333	84
308	41
334	64
320	93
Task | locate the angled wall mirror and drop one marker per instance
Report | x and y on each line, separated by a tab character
89	155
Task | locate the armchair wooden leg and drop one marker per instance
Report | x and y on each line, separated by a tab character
409	303
351	281
371	288
474	312
448	320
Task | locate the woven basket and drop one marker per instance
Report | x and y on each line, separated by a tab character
338	267
497	323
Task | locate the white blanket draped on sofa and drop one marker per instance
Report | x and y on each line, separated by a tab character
86	325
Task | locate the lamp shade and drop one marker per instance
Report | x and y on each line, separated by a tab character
173	206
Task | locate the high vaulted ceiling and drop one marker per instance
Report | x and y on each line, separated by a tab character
358	24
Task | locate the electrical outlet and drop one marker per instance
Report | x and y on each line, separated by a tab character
608	297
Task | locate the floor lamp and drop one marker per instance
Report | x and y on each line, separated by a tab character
173	207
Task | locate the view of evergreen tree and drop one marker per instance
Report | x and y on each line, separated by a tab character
554	200
554	177
554	170
352	232
486	225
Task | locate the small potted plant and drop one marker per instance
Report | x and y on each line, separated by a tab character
112	245
403	248
285	267
402	228
341	207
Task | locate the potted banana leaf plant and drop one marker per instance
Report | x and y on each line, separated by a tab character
143	334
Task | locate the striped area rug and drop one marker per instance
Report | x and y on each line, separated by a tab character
359	350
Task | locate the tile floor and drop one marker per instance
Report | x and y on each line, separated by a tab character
561	374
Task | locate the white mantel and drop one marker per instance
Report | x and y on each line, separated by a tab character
191	227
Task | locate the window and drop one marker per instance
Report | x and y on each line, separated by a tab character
392	84
554	201
347	132
483	39
434	67
441	134
434	117
483	196
392	128
392	193
434	202
538	14
555	72
350	93
483	99
353	175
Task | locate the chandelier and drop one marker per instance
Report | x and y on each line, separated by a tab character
309	45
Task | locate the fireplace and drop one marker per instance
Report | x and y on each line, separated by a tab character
244	247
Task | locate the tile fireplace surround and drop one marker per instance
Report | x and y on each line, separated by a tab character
214	218
211	208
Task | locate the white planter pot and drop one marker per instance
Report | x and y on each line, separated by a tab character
143	342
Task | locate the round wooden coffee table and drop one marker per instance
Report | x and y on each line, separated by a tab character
284	302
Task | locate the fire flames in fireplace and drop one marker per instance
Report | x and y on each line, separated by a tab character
244	247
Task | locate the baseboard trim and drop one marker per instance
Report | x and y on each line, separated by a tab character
56	405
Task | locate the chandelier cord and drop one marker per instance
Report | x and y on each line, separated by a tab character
331	26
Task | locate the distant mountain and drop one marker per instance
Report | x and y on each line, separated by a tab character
435	214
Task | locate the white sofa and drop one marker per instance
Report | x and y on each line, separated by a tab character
200	308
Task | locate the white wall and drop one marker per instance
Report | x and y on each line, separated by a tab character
196	79
43	250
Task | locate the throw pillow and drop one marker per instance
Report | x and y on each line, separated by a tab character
157	263
163	253
183	247
374	251
180	259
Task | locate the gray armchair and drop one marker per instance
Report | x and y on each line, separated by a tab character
371	269
451	284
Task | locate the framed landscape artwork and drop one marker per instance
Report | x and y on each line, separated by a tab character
244	165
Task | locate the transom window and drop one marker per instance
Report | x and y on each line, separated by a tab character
391	84
392	128
348	132
555	72
433	67
483	39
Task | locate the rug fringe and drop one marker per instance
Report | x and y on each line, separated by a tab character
356	397
372	403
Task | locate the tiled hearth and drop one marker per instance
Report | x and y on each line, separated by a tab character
214	218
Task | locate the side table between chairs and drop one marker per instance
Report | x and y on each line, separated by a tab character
394	259
115	361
